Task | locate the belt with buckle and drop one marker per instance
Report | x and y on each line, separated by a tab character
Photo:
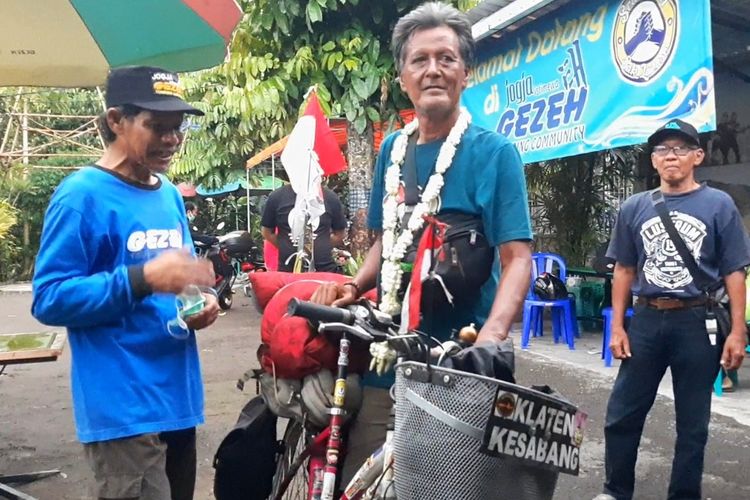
669	303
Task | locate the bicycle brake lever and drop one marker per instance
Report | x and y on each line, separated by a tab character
375	315
357	331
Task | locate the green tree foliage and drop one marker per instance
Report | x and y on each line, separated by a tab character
8	247
27	197
574	201
7	218
280	49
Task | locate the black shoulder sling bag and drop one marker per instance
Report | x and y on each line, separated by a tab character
717	317
466	257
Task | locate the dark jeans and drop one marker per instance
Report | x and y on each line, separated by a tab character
181	462
659	339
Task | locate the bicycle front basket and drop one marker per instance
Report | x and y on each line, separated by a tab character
441	416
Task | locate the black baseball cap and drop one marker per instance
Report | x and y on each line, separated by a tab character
674	128
149	88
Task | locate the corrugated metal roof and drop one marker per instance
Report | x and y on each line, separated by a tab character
486	8
497	17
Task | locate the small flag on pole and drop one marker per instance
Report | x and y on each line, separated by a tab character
310	153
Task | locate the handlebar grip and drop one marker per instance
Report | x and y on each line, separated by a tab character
318	312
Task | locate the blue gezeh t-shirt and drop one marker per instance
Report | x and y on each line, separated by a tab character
129	376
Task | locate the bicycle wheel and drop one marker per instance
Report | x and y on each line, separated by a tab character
290	482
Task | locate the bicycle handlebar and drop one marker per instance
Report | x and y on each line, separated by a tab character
318	312
369	324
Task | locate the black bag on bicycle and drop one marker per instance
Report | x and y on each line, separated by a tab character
463	263
246	459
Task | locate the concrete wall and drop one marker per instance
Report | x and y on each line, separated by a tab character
732	95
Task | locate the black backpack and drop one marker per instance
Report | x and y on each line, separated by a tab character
246	459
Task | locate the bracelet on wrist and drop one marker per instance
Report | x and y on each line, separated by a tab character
352	284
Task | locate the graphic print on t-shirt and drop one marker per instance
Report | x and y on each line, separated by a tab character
664	267
154	239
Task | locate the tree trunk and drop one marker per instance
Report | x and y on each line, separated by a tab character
360	158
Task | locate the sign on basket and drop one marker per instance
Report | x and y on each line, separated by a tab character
531	427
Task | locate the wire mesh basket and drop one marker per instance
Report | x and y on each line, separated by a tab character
441	416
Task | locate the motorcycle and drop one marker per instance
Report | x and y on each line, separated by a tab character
233	255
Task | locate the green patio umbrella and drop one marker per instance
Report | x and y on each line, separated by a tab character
74	43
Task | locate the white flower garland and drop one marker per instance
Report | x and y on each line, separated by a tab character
394	248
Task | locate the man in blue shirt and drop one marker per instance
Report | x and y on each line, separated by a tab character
669	328
478	173
115	252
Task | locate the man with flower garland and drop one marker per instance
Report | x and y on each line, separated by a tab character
461	168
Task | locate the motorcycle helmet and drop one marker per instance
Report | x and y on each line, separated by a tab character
547	286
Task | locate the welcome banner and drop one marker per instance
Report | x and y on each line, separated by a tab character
596	75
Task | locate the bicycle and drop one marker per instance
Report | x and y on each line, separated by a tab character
308	465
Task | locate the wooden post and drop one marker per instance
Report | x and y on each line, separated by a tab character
25	161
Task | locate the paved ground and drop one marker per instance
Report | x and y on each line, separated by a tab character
581	375
36	422
36	429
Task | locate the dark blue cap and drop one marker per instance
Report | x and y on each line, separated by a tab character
674	128
150	88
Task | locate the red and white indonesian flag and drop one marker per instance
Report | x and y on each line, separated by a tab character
429	249
310	153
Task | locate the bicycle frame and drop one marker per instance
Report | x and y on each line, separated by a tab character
376	471
337	419
325	450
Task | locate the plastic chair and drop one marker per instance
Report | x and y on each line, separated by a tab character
719	382
607	333
564	323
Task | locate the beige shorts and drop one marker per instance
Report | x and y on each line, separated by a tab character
133	467
367	432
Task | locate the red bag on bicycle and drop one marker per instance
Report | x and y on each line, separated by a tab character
291	347
265	285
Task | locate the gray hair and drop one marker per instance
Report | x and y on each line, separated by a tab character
433	15
108	136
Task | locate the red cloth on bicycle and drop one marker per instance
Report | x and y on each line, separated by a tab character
291	347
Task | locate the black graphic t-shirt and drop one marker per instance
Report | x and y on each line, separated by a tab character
709	223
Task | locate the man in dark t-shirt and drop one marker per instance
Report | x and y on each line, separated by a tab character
329	233
673	314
